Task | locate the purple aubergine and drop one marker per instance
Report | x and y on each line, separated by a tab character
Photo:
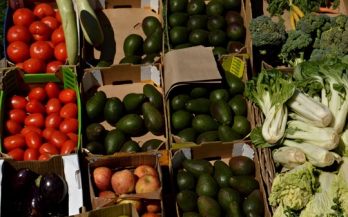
35	206
53	187
22	179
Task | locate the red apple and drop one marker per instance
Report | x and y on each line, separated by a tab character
107	194
123	182
102	178
152	205
142	170
137	203
147	183
150	214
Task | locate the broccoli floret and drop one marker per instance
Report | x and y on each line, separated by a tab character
328	52
340	21
311	23
330	37
293	51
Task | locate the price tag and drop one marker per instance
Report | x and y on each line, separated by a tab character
234	65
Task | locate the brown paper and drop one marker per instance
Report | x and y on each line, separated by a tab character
189	65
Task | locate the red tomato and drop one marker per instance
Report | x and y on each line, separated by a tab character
58	17
69	125
13	127
50	43
18	51
47	132
17	115
51	21
34	106
35	119
31	154
17	154
53	120
23	16
73	136
58	138
18	102
19	65
37	93
69	110
60	52
52	90
34	66
53	105
40	31
67	95
68	146
52	67
58	36
44	156
41	50
48	148
18	33
27	129
43	9
14	141
33	140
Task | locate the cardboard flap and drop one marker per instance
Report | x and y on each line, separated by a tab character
194	64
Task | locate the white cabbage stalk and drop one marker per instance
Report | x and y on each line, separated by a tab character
308	110
342	147
274	125
316	155
325	137
288	157
343	184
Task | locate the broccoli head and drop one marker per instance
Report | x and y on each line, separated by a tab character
340	21
310	23
333	36
293	50
329	52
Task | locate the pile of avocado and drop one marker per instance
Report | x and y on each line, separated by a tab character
138	50
135	115
218	189
208	113
218	24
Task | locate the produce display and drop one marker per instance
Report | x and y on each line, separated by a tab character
219	188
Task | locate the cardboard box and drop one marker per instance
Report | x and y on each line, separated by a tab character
117	163
15	81
118	19
219	151
126	209
120	80
66	166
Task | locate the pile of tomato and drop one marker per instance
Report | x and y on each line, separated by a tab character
41	124
36	41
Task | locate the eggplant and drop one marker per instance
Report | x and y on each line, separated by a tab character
53	187
22	179
35	205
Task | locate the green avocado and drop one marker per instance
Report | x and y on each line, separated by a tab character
114	141
149	25
153	42
131	125
198	166
113	110
95	106
203	123
133	45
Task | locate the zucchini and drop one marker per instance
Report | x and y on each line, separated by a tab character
92	32
67	12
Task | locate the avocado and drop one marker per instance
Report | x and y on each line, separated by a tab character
95	132
150	58
216	22
131	125
199	92
153	42
180	120
113	110
254	203
203	123
149	25
153	118
178	19
177	5
198	105
179	35
114	141
233	16
208	136
222	173
242	165
132	102
178	101
236	31
133	45
198	37
227	134
219	51
235	83
187	200
187	135
228	195
244	184
233	5
198	166
208	206
95	147
239	105
206	185
196	7
234	210
95	106
185	180
214	8
241	125
132	59
220	93
151	144
130	146
181	46
221	111
197	21
234	47
217	37
154	96
191	214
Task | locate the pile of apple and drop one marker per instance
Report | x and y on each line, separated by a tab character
143	179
